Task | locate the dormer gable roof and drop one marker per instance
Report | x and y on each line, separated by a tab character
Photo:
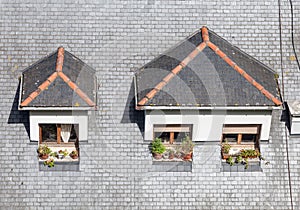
59	80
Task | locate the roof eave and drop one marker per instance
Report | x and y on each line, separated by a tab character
209	108
56	108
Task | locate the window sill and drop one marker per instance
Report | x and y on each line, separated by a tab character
171	166
253	166
60	166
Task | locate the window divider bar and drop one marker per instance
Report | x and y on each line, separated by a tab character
58	133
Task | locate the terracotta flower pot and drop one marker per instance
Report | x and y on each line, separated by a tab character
187	156
43	156
74	156
157	156
225	155
171	156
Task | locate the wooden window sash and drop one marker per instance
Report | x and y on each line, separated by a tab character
172	129
240	129
58	133
40	134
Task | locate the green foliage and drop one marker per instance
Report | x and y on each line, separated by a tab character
44	150
187	145
226	147
64	152
171	151
157	146
250	153
230	160
239	159
53	154
49	162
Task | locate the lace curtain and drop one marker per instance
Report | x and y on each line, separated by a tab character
66	132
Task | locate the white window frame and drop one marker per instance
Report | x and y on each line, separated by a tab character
58	117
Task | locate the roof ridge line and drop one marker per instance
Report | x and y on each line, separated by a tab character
60	59
41	88
204	32
76	89
243	73
172	74
50	79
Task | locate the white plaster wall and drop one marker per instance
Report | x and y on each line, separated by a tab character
62	117
207	126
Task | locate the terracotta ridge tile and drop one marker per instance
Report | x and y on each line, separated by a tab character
60	59
205	35
244	74
76	89
41	88
172	74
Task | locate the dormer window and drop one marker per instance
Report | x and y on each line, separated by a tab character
58	91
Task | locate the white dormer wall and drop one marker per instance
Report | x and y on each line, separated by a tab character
207	125
58	117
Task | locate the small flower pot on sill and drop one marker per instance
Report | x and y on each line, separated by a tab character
187	156
74	156
157	156
225	156
60	156
43	156
171	156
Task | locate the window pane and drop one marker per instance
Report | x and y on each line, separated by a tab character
230	138
49	132
166	131
249	138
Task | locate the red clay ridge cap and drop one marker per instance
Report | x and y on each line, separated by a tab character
41	88
172	74
60	59
205	35
243	73
76	89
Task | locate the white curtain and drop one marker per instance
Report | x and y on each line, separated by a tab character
66	132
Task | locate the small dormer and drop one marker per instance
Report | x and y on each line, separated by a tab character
58	91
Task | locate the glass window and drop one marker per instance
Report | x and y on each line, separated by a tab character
172	133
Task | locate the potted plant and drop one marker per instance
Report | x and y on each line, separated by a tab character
74	154
230	160
187	147
157	148
178	152
62	153
239	159
43	151
165	155
250	153
225	150
49	162
171	154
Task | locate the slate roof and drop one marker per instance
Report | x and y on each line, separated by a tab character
203	71
58	80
